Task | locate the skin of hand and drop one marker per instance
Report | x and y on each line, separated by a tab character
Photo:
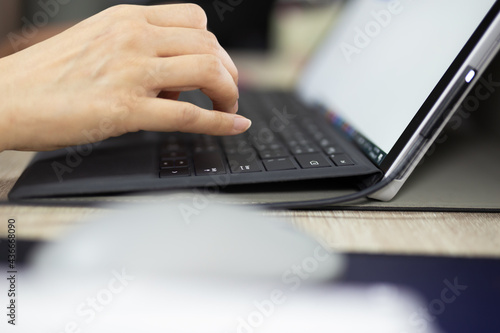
119	71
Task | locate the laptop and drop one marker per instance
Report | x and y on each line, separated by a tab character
367	106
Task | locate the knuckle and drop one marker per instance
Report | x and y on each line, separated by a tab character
128	33
120	10
211	41
220	123
234	91
122	27
197	15
213	67
136	28
188	116
230	94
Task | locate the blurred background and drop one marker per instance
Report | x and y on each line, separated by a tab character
239	24
268	39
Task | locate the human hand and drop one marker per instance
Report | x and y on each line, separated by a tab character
119	71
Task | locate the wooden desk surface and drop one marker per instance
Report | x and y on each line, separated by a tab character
427	233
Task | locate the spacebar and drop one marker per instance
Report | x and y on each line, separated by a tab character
209	163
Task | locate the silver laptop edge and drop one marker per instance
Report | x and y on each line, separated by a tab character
418	145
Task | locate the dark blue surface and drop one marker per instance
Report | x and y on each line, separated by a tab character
476	309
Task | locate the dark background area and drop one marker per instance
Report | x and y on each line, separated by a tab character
238	24
244	26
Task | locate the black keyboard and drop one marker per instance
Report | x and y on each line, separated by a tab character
278	140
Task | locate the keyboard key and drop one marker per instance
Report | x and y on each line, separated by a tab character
331	150
243	164
181	163
277	164
276	146
325	143
170	147
173	154
279	153
260	146
175	172
231	151
167	163
205	148
265	154
208	163
318	136
341	160
298	150
310	161
310	149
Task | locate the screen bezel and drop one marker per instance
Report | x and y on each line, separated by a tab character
437	92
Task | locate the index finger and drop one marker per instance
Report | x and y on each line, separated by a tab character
162	115
176	15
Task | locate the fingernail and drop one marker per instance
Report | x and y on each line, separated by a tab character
241	124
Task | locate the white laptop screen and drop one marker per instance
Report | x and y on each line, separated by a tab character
382	60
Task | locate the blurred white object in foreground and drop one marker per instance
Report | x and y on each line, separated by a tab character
179	268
